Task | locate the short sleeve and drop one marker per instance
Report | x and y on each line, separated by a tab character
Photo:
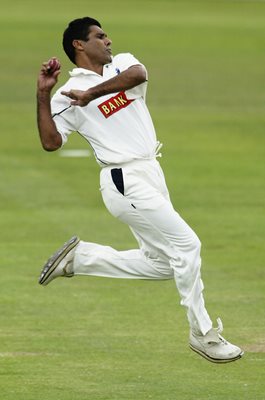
124	61
63	115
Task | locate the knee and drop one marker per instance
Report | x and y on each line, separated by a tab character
188	255
196	243
164	270
192	244
194	254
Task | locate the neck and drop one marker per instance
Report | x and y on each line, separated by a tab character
91	66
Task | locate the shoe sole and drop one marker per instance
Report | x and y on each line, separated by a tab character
56	258
216	360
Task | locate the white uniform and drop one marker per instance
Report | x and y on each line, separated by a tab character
117	126
121	132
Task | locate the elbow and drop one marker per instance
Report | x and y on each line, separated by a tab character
51	145
139	74
50	142
143	75
48	147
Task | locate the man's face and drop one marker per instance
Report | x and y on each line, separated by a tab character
97	48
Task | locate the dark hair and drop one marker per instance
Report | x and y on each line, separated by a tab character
77	29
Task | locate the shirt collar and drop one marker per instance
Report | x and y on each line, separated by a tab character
84	71
81	71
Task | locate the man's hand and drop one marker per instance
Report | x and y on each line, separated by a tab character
79	97
48	77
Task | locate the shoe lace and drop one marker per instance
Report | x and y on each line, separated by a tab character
220	326
220	329
158	147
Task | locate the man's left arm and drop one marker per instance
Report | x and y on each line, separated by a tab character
131	77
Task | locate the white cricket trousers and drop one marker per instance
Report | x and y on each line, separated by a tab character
136	194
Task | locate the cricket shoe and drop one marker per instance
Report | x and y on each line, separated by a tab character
214	347
60	263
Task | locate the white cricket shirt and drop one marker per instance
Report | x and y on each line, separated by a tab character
118	126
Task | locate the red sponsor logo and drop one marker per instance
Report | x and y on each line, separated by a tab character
114	104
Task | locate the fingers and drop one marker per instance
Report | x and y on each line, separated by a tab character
75	96
69	94
75	101
47	79
51	67
79	97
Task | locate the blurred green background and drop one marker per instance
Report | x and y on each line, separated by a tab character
114	339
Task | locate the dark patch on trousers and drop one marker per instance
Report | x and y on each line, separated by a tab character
117	177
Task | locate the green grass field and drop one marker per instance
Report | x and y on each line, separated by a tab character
92	338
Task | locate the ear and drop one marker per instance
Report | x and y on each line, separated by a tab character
78	44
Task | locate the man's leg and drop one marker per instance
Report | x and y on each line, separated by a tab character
171	248
96	260
168	246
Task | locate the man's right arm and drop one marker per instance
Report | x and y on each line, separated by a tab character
50	139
